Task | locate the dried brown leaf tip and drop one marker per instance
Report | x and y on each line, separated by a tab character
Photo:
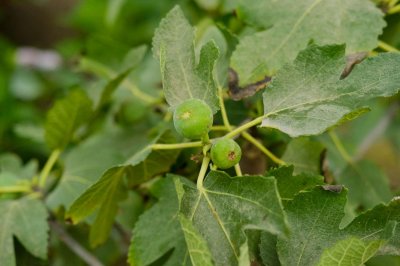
237	93
333	188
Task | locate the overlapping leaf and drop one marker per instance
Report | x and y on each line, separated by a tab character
65	117
111	188
315	218
173	45
290	185
217	216
163	230
308	96
292	24
305	155
352	251
25	219
103	196
78	176
226	206
368	185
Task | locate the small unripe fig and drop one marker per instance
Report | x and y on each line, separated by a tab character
193	118
225	153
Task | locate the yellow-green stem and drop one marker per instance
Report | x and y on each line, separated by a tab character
14	189
219	128
223	109
392	3
244	127
168	116
238	170
48	166
393	10
262	148
138	93
386	47
203	171
340	147
205	139
177	145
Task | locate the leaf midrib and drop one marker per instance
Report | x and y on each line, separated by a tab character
211	207
294	28
321	100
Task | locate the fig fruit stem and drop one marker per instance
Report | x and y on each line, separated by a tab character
202	173
205	139
219	128
14	189
176	145
48	166
244	127
238	170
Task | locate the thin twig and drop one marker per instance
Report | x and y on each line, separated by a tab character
73	245
262	148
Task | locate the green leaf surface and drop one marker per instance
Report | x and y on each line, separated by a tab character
106	193
196	245
226	206
381	222
367	183
315	218
66	116
290	26
268	250
103	196
162	230
114	8
173	45
77	177
308	96
25	219
12	164
354	138
305	155
111	86
290	185
213	34
352	251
